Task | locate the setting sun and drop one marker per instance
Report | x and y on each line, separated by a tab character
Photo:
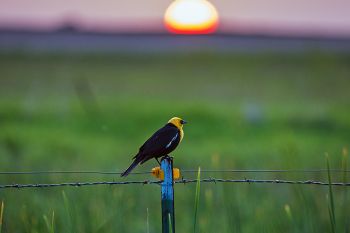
191	17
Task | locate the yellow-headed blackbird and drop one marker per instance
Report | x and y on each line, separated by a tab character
161	143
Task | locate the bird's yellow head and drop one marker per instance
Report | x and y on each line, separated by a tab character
177	121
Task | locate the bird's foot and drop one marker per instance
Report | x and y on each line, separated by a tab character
166	157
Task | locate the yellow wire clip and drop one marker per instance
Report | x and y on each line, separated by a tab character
158	173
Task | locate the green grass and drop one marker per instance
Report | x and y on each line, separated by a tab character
92	112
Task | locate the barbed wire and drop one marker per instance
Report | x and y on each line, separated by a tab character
77	184
276	181
68	172
182	171
181	181
268	171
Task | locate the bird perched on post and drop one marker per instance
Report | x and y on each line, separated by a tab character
161	143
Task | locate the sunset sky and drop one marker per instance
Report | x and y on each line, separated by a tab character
326	17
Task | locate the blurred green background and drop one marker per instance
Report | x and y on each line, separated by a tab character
69	111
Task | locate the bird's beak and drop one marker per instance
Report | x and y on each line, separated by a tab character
184	122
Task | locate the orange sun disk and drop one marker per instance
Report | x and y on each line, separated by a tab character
191	17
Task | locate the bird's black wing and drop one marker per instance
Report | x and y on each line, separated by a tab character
160	143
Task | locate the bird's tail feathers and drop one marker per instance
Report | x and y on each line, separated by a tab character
132	166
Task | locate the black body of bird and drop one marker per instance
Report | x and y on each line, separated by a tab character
160	144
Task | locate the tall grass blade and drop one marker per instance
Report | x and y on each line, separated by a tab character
50	226
147	221
53	222
1	215
288	212
345	193
68	210
196	201
47	222
331	208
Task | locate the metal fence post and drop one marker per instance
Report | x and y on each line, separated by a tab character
168	213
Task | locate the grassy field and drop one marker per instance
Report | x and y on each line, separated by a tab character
92	112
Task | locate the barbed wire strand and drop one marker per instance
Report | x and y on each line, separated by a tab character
182	171
68	172
268	171
182	181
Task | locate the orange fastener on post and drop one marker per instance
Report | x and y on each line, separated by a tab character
158	173
176	173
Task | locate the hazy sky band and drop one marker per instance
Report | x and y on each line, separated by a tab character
314	16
